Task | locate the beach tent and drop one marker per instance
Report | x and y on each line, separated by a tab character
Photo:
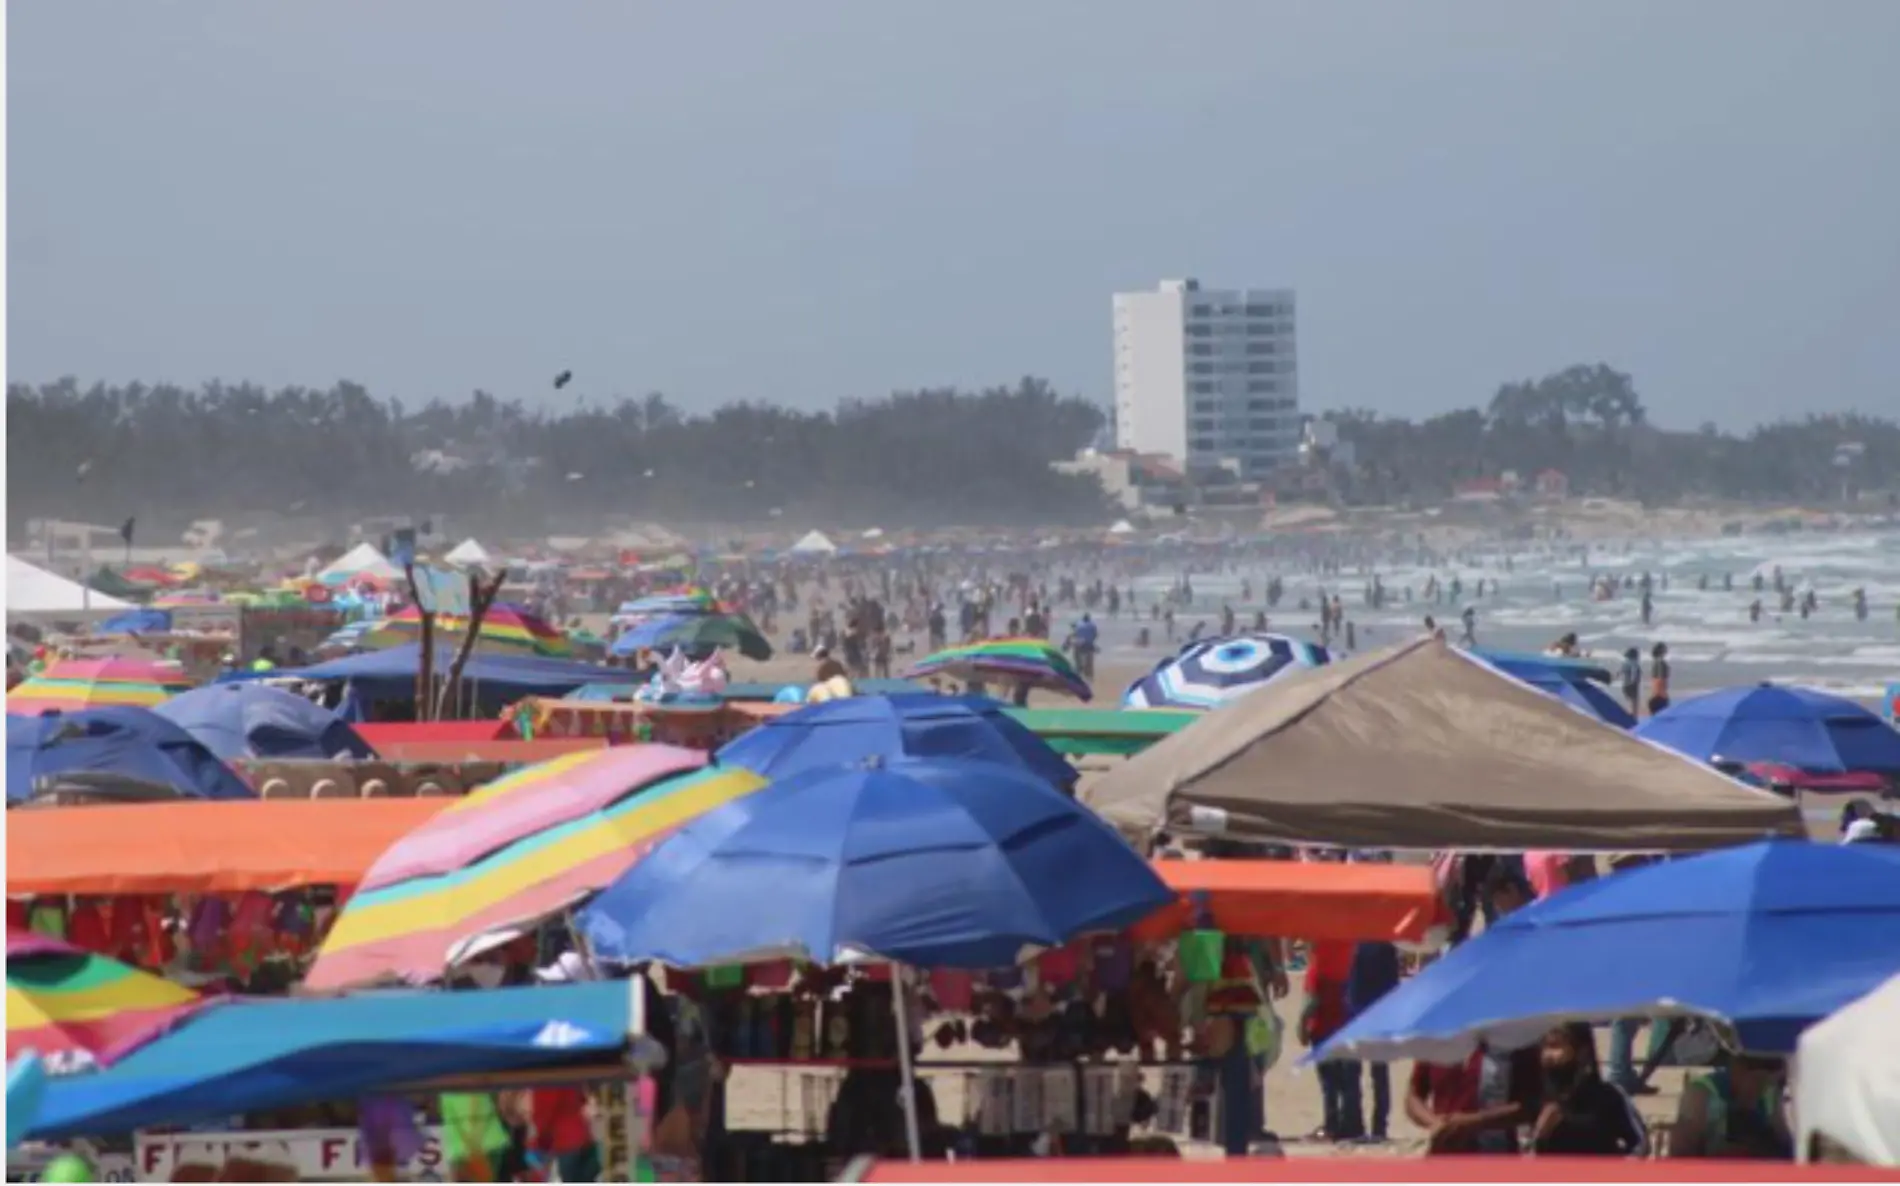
34	592
1420	746
1847	1078
469	554
815	543
364	558
1122	527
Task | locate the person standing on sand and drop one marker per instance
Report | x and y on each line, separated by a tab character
1631	677
1658	678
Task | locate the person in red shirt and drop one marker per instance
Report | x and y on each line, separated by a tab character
1328	971
563	1133
1476	1105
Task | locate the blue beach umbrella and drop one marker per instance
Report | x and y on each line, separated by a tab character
1767	937
114	749
907	725
1529	665
1814	732
935	863
249	720
1207	674
1589	697
1573	688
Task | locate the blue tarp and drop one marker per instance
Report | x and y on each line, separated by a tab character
248	1055
136	621
252	720
494	680
133	743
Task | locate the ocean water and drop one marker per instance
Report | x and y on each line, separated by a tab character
1545	594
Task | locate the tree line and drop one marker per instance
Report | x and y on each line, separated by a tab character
168	454
171	454
1589	422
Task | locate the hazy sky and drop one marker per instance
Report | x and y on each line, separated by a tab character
802	199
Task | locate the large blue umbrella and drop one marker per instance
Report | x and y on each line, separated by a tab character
694	631
1208	674
1589	697
1768	937
114	748
933	863
1531	666
907	725
1811	731
1573	689
257	721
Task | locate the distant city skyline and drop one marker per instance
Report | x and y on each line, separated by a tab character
801	203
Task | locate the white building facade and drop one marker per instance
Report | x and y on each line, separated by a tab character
1209	377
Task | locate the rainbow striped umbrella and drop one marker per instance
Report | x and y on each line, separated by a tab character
1031	661
507	628
512	854
70	685
77	1009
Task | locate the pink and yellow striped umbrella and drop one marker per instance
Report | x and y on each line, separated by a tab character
72	685
515	852
75	1008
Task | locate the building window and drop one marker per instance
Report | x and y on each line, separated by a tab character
1202	444
1262	385
1205	425
1198	331
1201	368
1200	310
1201	387
1202	348
1259	368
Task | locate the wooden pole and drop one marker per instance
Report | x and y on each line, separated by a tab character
425	670
480	600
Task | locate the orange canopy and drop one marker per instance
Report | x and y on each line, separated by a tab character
224	847
1300	900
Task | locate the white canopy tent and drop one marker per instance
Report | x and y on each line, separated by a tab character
815	543
1847	1079
363	558
34	592
469	554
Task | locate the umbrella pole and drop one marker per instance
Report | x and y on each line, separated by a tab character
906	1073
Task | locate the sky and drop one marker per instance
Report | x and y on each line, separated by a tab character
800	202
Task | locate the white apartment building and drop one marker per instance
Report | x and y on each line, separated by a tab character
1208	377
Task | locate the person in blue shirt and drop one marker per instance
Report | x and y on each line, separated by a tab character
1082	638
1375	972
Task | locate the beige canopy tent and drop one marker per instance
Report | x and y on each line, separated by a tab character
1423	746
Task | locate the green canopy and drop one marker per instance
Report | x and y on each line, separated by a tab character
1088	731
110	583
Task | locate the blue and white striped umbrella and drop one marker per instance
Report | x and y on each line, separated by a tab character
1208	674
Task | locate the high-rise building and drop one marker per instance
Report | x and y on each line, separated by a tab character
1209	377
